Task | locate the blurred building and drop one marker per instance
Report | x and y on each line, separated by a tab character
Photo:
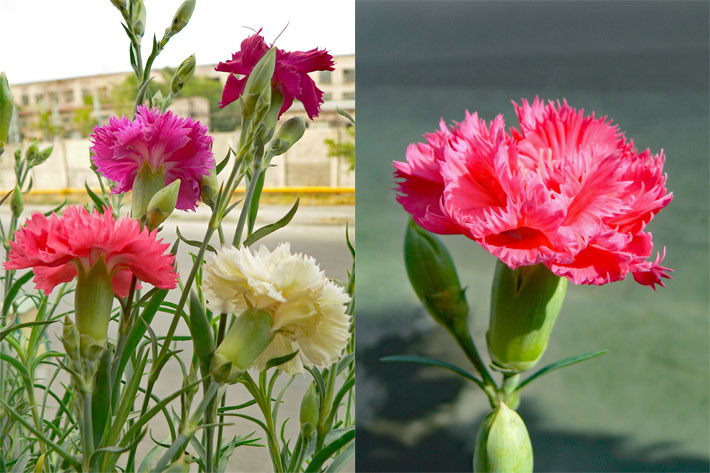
69	107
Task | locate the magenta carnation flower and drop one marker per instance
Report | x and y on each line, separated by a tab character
57	247
566	190
290	73
180	147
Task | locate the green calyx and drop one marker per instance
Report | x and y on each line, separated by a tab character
432	273
246	339
524	306
93	300
146	184
503	443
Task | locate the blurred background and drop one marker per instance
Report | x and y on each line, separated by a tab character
644	405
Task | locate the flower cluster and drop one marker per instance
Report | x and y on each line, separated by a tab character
565	189
159	141
56	248
290	73
307	309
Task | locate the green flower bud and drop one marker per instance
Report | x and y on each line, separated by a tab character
181	18
70	339
6	107
503	444
162	204
246	339
146	184
310	410
290	132
138	17
93	300
120	4
40	157
209	188
524	306
32	152
257	90
16	202
18	156
183	74
433	276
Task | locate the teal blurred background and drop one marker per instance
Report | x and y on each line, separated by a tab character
644	406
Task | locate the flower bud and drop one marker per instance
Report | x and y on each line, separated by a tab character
183	74
258	84
181	18
32	152
40	157
248	336
524	306
6	107
16	202
310	410
162	204
70	339
433	276
146	184
120	4
289	133
209	188
138	17
503	444
93	300
18	156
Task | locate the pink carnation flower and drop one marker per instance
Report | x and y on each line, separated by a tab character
180	146
56	247
290	73
566	190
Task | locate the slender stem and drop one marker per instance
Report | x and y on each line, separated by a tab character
271	436
220	336
87	435
462	335
245	206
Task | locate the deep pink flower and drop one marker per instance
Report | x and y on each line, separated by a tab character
180	146
56	247
290	73
566	190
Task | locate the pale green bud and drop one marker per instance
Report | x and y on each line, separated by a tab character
209	188
181	18
432	274
70	339
16	202
32	152
183	74
162	204
146	184
246	339
290	132
138	17
6	107
120	4
257	90
503	444
40	157
524	306
310	410
18	156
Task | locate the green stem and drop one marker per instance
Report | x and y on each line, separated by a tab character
271	435
220	336
246	206
462	335
87	435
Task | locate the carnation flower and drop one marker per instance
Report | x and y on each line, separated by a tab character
56	248
155	142
566	190
307	310
290	73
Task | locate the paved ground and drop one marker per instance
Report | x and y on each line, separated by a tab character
318	231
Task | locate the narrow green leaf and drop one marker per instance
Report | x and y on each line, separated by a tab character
193	243
98	203
347	240
201	333
101	397
280	360
9	330
431	362
571	360
14	289
341	459
267	229
329	450
254	207
345	114
224	162
318	377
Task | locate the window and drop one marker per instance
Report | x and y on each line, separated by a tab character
85	94
68	96
325	77
327	96
348	76
39	98
25	99
350	95
53	97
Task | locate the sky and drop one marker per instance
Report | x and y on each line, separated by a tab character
49	39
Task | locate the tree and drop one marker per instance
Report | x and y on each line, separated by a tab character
344	149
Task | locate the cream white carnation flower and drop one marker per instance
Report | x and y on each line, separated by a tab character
308	310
